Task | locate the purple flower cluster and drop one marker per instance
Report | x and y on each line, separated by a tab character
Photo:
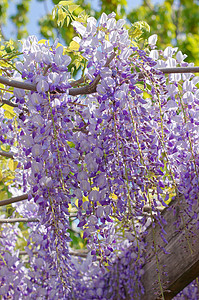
11	269
103	156
190	292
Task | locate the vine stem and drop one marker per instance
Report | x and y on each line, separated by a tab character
14	199
15	220
84	90
8	102
90	88
7	154
73	253
179	70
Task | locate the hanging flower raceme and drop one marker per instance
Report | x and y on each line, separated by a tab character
104	155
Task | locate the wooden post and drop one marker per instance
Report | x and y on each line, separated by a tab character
182	263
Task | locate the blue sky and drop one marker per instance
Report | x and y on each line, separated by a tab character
38	9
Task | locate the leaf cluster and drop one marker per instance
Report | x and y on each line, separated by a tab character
177	24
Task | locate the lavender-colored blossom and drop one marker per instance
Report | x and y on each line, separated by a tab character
103	156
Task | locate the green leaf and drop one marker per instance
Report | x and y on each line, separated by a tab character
12	165
71	8
9	113
74	46
138	28
67	20
3	195
64	3
71	144
61	17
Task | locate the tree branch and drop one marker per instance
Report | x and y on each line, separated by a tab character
78	81
18	84
13	200
7	154
15	220
179	70
87	89
90	88
8	102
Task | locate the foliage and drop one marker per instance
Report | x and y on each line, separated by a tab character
118	6
177	24
3	11
175	21
20	19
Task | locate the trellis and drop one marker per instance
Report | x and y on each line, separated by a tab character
179	256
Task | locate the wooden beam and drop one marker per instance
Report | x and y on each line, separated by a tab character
182	263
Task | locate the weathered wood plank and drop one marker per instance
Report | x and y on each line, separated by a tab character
182	264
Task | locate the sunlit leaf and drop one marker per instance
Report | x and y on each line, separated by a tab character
113	196
5	148
3	195
43	41
74	46
138	28
71	8
9	111
67	20
61	17
12	165
64	3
